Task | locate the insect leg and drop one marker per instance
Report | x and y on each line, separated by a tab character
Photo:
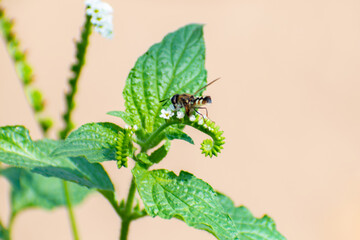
200	114
205	109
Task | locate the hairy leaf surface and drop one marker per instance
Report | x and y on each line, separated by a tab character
195	202
250	227
157	155
175	65
17	149
95	141
186	197
34	190
123	115
173	133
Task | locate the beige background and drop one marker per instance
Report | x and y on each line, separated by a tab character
288	102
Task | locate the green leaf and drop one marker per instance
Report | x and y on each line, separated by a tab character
186	197
175	65
34	190
123	115
95	141
159	154
250	227
17	149
173	133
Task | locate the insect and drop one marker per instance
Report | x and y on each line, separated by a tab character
189	101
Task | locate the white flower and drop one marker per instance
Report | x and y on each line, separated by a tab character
201	121
192	118
127	126
135	128
180	114
101	17
166	114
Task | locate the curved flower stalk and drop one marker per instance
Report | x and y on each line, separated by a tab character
209	147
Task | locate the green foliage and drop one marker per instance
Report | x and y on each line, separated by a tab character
95	141
250	227
158	155
24	71
76	68
196	203
173	133
186	197
175	65
125	116
34	190
17	149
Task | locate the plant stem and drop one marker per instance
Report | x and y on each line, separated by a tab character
11	223
147	144
126	218
70	211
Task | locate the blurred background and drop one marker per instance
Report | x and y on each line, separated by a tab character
288	101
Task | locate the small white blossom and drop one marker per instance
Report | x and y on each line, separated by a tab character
101	17
180	114
135	128
166	114
127	126
192	118
201	121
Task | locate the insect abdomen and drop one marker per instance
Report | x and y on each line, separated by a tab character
202	101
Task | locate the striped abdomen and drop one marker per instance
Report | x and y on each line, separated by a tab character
200	101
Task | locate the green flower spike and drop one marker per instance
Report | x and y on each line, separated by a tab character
124	145
209	147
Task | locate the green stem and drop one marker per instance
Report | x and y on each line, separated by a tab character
81	47
147	144
110	196
70	211
126	218
11	223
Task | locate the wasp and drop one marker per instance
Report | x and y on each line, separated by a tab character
190	102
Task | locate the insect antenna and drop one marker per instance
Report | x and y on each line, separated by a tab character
165	101
206	86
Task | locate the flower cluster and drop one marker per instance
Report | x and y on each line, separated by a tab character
101	17
168	113
209	147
